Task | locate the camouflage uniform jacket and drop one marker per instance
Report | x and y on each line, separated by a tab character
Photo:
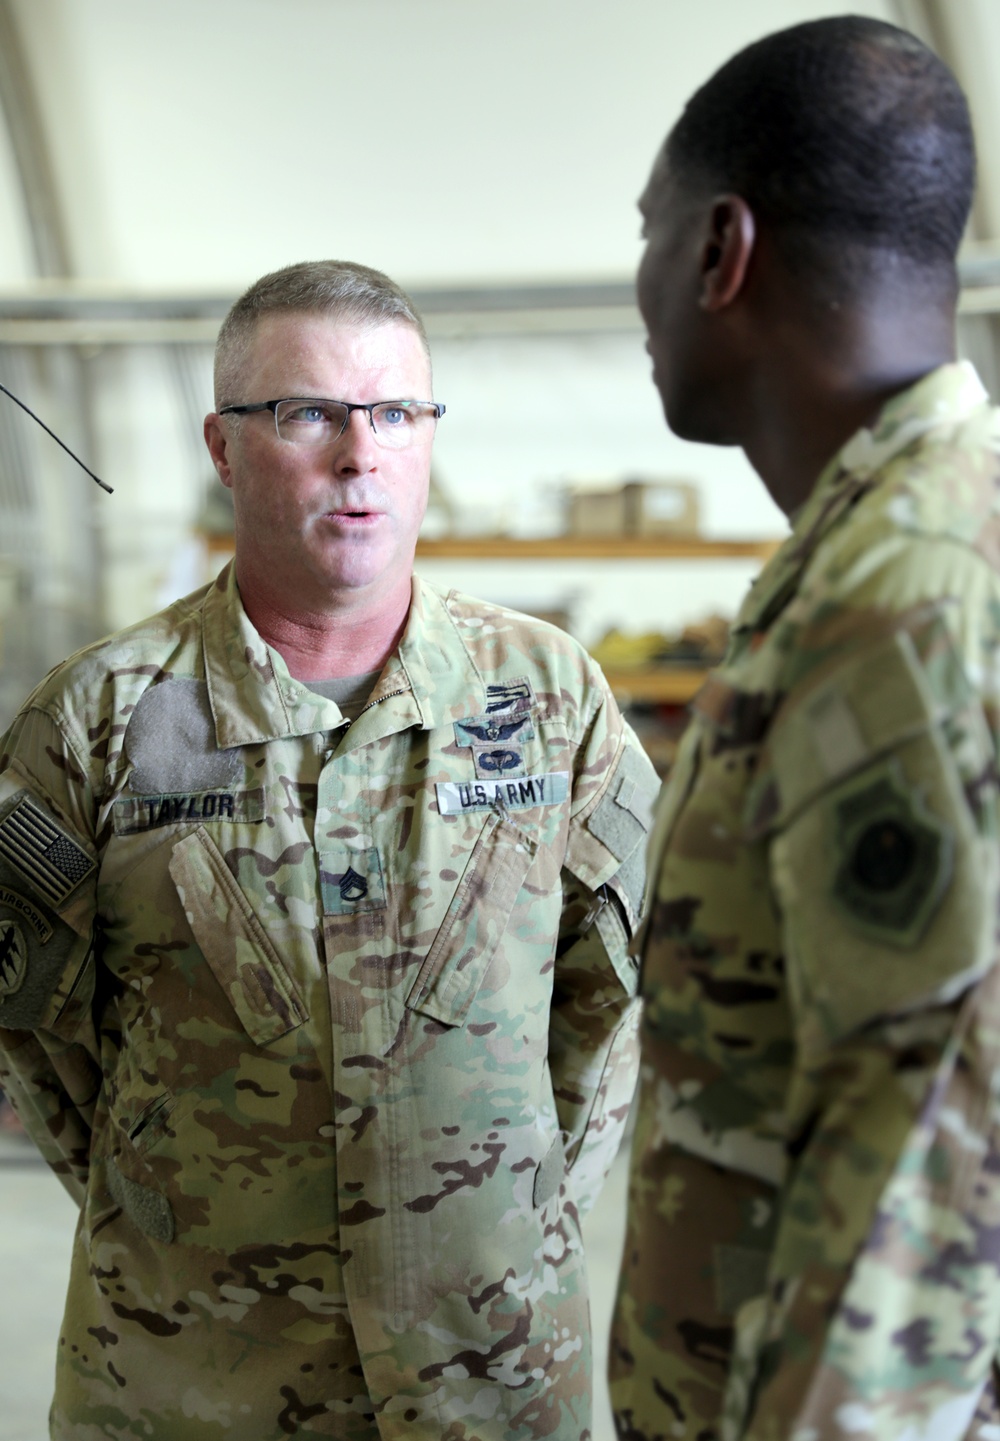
814	1231
330	1028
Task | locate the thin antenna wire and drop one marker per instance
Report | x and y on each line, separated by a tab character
100	482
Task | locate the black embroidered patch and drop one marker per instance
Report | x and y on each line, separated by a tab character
350	880
147	813
515	695
493	761
895	859
352	887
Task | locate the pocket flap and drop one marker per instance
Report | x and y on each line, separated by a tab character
610	844
862	709
233	941
463	948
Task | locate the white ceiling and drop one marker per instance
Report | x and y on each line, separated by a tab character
199	143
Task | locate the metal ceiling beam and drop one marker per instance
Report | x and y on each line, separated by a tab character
76	315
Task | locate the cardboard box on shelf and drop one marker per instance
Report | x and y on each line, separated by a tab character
661	507
633	507
596	512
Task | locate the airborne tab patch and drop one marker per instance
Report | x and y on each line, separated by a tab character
454	797
43	853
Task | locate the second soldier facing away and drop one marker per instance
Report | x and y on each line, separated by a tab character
315	896
813	1248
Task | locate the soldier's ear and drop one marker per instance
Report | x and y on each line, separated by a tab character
728	245
218	447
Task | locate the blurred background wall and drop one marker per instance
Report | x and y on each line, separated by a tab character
154	159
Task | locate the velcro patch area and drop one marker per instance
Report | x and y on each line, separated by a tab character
147	1209
171	741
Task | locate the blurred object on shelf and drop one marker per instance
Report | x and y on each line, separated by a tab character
617	650
659	729
703	643
662	507
593	510
555	616
633	507
554	609
703	640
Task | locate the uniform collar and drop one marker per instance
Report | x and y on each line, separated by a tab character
943	397
429	680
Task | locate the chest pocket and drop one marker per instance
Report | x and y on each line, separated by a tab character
233	941
474	926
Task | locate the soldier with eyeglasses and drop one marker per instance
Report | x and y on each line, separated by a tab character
316	891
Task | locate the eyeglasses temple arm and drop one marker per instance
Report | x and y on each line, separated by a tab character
10	394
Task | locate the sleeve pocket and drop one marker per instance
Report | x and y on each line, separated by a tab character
463	948
233	941
888	893
609	848
879	791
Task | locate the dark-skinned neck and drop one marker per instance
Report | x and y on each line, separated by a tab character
350	633
822	373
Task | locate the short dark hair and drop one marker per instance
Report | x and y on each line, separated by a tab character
341	289
840	132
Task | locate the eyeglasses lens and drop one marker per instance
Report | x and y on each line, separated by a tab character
321	422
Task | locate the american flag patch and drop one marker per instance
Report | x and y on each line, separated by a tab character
43	853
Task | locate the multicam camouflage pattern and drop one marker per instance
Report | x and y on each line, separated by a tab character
332	1068
813	1248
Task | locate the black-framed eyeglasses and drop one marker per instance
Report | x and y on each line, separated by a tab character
304	420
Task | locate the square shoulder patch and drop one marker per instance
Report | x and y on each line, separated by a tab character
41	852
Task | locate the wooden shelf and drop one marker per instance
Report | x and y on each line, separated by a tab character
581	547
569	547
656	684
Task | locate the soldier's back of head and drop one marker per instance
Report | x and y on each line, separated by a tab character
848	138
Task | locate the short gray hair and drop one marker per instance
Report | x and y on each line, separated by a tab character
340	289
